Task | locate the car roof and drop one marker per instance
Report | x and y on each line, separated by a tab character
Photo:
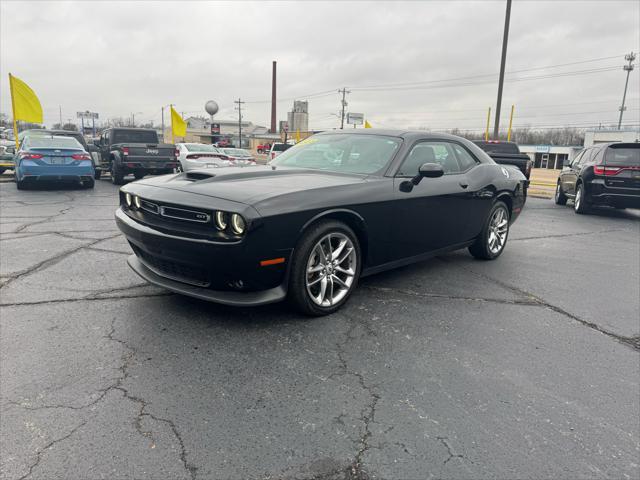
406	134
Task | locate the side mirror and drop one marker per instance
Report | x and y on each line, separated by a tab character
426	170
430	170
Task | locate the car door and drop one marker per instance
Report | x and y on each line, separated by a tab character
434	213
569	175
105	149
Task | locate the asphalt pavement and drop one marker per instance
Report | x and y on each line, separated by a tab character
525	367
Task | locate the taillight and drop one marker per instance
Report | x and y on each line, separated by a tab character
125	150
606	171
176	152
273	155
29	156
80	156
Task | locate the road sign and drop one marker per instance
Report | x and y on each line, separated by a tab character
215	128
355	118
88	115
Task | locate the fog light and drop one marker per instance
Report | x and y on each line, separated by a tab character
237	224
137	202
127	198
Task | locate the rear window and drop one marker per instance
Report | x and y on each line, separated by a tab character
78	136
623	154
134	136
500	147
53	142
280	147
200	147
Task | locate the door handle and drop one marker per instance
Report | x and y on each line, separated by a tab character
464	184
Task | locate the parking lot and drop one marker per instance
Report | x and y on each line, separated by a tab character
452	368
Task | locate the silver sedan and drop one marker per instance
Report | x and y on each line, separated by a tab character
194	156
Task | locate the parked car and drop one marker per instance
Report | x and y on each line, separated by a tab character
308	226
90	148
605	174
239	156
52	158
263	148
193	156
135	150
277	148
7	152
507	153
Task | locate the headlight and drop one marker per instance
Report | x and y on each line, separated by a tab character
237	224
221	220
136	201
127	198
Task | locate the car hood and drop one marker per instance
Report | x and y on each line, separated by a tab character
252	184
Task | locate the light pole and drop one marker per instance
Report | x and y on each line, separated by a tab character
630	57
503	60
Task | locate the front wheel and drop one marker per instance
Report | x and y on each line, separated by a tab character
560	198
580	204
493	238
117	175
325	268
138	175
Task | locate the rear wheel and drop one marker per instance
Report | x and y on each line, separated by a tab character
97	174
117	175
21	185
560	198
325	268
493	238
89	183
580	204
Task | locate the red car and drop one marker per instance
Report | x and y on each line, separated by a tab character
264	148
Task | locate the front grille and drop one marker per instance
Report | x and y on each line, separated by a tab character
175	213
174	270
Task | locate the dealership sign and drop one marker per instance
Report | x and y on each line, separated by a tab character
355	118
215	128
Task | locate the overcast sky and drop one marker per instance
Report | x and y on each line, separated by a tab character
119	58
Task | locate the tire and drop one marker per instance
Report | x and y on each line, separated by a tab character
490	244
117	175
97	174
560	198
138	175
580	204
21	185
306	292
89	183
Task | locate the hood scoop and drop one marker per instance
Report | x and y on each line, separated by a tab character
194	176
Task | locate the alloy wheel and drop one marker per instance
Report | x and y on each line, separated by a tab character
331	269
578	199
498	228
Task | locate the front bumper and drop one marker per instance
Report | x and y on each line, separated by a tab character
227	273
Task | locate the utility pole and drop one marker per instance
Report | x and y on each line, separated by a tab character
630	57
60	109
344	92
239	102
505	39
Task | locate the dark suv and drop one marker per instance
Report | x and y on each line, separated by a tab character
605	174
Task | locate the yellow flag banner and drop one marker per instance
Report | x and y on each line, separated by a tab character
26	106
367	124
178	125
297	135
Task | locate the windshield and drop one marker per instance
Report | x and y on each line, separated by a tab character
200	147
348	153
135	136
236	151
52	142
280	147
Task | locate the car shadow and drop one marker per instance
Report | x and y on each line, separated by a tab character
611	212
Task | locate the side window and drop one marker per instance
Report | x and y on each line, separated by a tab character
430	152
465	160
578	159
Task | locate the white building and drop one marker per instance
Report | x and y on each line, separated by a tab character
591	137
550	156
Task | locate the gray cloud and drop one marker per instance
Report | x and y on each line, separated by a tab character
119	58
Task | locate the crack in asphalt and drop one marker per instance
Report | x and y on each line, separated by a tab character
445	442
564	235
108	250
91	297
44	219
51	261
48	446
632	342
413	293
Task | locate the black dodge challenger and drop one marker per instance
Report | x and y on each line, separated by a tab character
337	206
